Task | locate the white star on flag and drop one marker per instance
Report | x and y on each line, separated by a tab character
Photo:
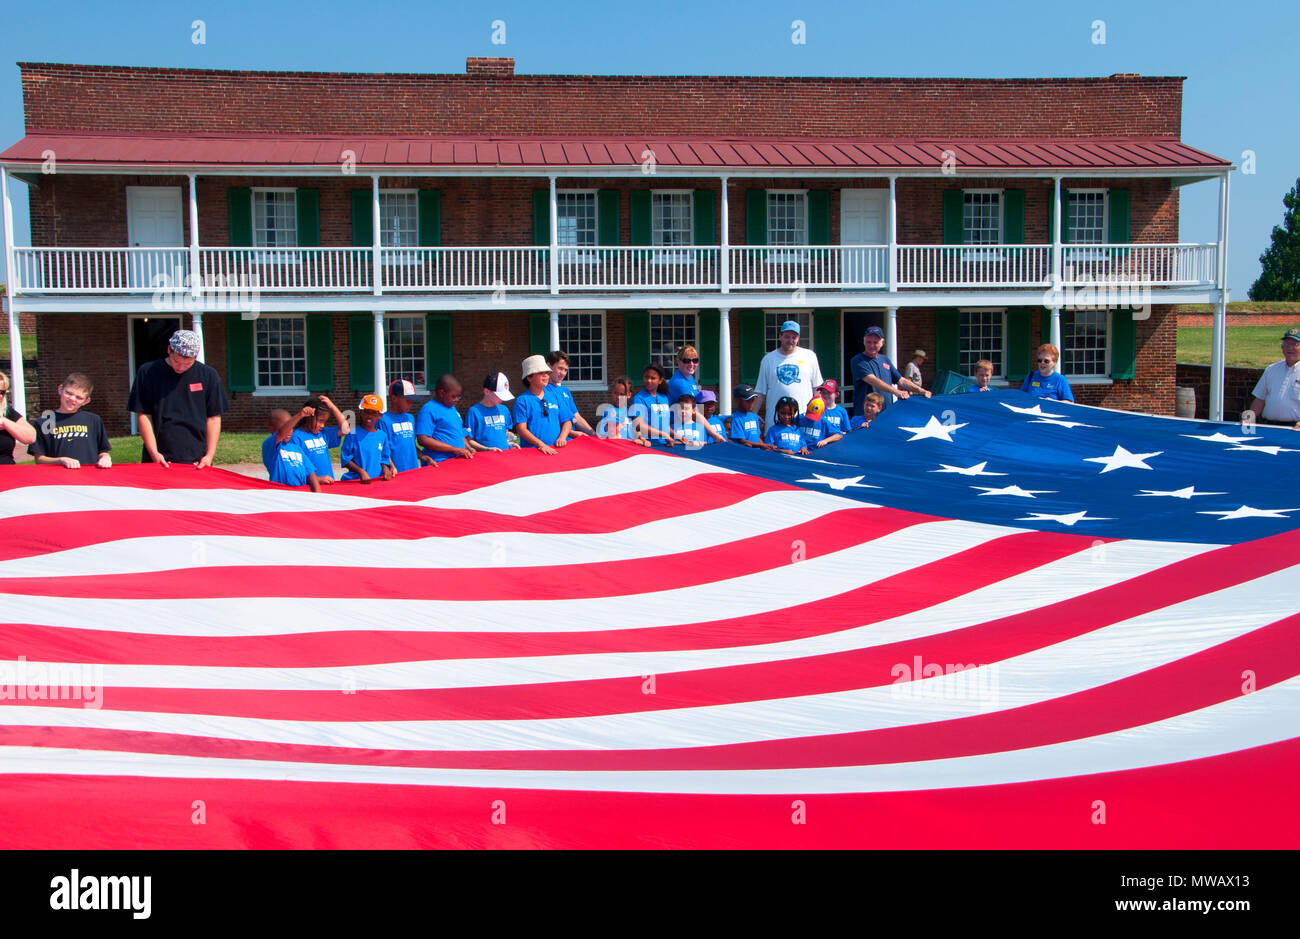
1035	411
1247	511
976	470
1217	437
1066	520
1185	493
933	428
1274	451
1122	459
1048	420
1012	490
839	485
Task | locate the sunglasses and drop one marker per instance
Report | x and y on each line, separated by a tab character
691	361
1046	359
546	409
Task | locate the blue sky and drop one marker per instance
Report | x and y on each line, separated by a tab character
1238	59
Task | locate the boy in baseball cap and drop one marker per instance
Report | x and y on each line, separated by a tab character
836	418
746	428
398	424
488	422
365	453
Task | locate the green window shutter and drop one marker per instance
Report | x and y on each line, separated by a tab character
702	217
1045	323
437	347
1065	218
1118	232
363	225
819	217
1123	345
954	201
429	204
826	342
1020	344
308	202
607	232
541	217
320	352
1013	216
239	205
755	219
752	347
361	353
639	217
1051	216
240	352
539	333
947	339
636	343
710	324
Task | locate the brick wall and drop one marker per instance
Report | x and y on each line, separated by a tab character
1239	383
110	98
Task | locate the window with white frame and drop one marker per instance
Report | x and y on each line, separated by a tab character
1084	335
275	218
787	218
1087	217
772	320
404	354
398	219
668	333
281	351
981	338
582	337
670	214
981	222
575	219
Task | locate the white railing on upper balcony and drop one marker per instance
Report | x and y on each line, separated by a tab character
974	265
453	269
843	267
620	268
1163	265
324	270
98	270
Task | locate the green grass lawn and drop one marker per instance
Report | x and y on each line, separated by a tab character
1248	346
231	448
29	346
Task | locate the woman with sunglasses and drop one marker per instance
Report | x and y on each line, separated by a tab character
14	428
1045	381
684	380
538	419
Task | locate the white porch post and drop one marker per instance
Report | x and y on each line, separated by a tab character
17	387
1218	338
196	277
724	359
555	330
1055	331
893	236
197	318
376	256
555	261
1056	248
891	334
724	260
381	373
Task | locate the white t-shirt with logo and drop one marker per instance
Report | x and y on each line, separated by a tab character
795	375
1279	389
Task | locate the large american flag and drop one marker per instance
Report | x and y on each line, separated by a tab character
984	621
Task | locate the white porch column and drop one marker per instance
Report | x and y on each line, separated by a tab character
724	257
724	359
17	387
196	277
1219	336
555	330
555	261
1055	331
376	253
891	334
893	235
381	374
197	326
1056	246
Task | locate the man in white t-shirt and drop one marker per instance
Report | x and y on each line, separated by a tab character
1277	394
787	370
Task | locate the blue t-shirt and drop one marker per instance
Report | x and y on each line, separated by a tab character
286	463
318	447
836	420
443	423
680	385
814	431
1053	386
568	410
489	425
859	421
614	423
719	423
746	427
369	449
882	368
540	415
786	438
400	429
694	433
654	410
978	388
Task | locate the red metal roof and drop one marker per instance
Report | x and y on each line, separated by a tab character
180	151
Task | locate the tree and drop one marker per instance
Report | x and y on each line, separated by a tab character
1280	277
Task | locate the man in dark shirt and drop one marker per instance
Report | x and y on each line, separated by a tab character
179	402
873	371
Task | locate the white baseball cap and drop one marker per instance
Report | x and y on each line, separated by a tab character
499	385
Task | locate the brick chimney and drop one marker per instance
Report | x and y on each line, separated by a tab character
489	67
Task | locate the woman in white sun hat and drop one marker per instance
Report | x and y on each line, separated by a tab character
537	410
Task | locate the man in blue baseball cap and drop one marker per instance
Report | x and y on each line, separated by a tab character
1277	394
789	370
873	371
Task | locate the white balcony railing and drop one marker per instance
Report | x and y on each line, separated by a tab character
480	269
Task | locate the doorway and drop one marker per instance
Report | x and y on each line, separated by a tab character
855	324
147	339
153	220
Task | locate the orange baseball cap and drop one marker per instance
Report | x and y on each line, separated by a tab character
371	403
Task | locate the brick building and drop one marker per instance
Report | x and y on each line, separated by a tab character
326	232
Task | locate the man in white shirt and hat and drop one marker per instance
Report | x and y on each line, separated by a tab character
1277	394
788	370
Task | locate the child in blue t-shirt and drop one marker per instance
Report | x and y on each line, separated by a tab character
286	463
983	373
558	360
836	417
652	407
746	427
365	453
398	423
713	425
539	412
690	430
785	433
315	439
872	405
613	420
489	421
816	432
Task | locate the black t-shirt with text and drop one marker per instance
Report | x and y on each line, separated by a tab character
179	406
79	435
